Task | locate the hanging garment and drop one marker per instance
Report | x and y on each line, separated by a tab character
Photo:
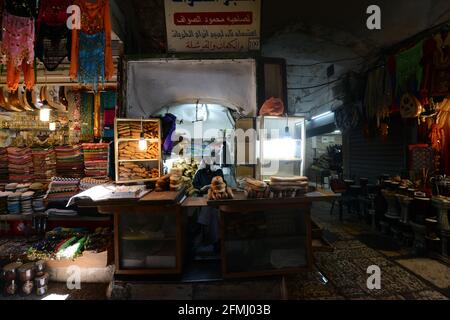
21	8
96	28
87	116
17	49
440	81
53	36
91	58
378	94
443	125
409	70
169	124
53	12
52	45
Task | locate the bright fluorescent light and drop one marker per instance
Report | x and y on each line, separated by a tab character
54	296
321	115
337	132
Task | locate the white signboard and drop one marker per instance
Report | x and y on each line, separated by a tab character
213	25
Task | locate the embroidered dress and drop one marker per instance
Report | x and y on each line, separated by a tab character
52	45
96	29
18	49
91	58
53	36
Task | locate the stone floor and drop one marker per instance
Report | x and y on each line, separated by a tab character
341	274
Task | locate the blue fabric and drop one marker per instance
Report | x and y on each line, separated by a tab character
91	55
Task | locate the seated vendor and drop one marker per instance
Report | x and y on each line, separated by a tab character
206	238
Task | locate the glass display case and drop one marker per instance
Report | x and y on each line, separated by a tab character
148	240
280	146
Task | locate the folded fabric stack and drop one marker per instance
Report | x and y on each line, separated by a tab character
26	202
44	163
4	173
61	212
14	203
288	187
62	188
20	164
87	183
69	161
96	159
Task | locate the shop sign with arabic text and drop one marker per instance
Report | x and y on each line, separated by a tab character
213	25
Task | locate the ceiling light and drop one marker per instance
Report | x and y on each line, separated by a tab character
321	115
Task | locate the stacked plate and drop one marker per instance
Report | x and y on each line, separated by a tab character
23	187
26	202
4	202
14	203
38	202
11	187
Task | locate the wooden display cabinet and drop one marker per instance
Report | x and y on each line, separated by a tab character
148	233
152	164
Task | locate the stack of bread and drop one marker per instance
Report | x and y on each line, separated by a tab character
288	187
219	190
255	189
177	180
189	169
163	183
130	151
136	171
132	129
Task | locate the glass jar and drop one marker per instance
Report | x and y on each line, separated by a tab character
10	288
40	267
26	272
26	288
10	271
41	281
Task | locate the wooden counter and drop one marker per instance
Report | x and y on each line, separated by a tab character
250	229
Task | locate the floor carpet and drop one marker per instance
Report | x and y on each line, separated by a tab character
342	274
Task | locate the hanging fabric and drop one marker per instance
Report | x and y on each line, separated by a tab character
53	36
21	8
440	84
378	94
17	49
86	117
91	58
409	70
92	44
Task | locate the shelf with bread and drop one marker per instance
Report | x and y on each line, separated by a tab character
137	150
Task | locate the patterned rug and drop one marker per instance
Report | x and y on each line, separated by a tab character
342	274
